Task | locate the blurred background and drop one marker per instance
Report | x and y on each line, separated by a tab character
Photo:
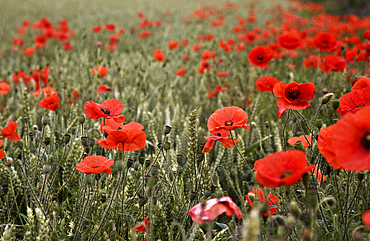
341	7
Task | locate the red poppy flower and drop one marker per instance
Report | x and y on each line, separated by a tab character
350	141
144	34
40	41
113	39
366	219
213	208
4	88
302	138
311	62
227	119
289	41
355	54
211	140
102	89
75	95
142	227
181	72
131	136
108	109
196	47
29	51
96	29
172	44
223	74
110	27
216	91
324	143
333	63
293	96
158	55
50	102
18	42
281	168
204	66
266	83
9	132
45	91
325	42
100	70
353	101
363	82
260	56
208	54
2	152
272	200
95	165
67	45
320	177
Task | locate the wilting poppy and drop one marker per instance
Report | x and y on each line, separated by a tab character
102	89
158	55
293	96
204	66
95	165
353	101
281	168
227	119
130	136
9	132
108	109
100	70
289	41
216	91
260	56
366	219
272	201
333	63
181	72
4	88
266	83
2	152
211	140
213	208
302	138
142	227
325	42
363	82
350	141
50	102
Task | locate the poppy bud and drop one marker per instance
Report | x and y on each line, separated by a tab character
207	193
267	125
306	179
306	219
311	197
294	209
88	179
360	176
193	195
167	130
57	143
318	123
179	159
91	142
84	140
103	198
253	124
279	220
81	119
330	201
67	138
154	170
298	146
54	196
45	120
234	172
147	163
141	159
130	162
120	165
20	144
46	168
47	141
167	146
335	104
9	161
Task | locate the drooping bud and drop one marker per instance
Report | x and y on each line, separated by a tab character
326	98
46	168
330	201
295	209
311	197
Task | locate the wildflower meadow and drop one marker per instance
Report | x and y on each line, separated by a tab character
172	120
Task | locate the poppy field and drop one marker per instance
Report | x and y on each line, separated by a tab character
159	120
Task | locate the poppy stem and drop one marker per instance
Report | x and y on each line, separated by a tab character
236	148
305	122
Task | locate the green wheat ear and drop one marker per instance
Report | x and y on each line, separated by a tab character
192	148
30	226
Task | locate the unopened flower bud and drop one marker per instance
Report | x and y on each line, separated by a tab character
81	119
311	197
84	140
130	162
335	104
45	120
141	159
234	172
294	209
9	161
279	220
67	138
167	146
326	98
167	130
54	196
193	195
120	165
306	179
46	168
253	124
318	123
329	200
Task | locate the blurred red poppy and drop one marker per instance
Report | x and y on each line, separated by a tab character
102	89
143	34
40	41
293	96
204	66
208	54
211	140
272	201
142	227
302	138
333	63
181	72
158	55
281	168
266	83
366	219
50	102
29	51
18	42
96	29
363	82
2	152
95	165
196	47
311	62
109	109
75	95
4	88
224	120
130	136
223	74
354	101
172	44
9	132
101	71
289	41
213	208
110	27
260	56
325	41
45	91
216	91
320	177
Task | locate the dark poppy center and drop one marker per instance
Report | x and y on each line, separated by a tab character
325	42
285	174
365	140
206	66
105	111
119	128
296	39
96	167
294	93
229	123
218	134
260	57
51	103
